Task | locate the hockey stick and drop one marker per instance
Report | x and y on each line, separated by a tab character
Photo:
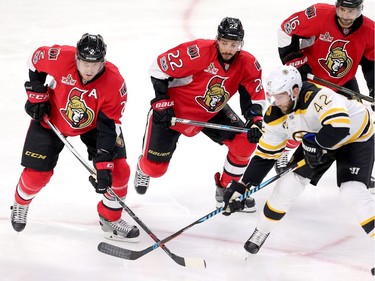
188	262
208	125
348	92
133	255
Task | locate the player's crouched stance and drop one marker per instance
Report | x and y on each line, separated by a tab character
332	129
86	98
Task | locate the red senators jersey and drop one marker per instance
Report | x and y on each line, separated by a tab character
201	86
333	53
74	105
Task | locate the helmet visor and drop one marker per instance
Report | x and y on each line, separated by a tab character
348	13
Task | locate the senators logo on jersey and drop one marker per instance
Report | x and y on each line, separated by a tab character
76	113
337	63
215	97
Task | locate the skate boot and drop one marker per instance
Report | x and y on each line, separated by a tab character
219	196
255	241
141	180
119	230
282	162
18	216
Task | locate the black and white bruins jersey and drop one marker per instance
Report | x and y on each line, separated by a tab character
317	108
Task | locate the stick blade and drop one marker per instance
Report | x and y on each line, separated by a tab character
115	251
195	263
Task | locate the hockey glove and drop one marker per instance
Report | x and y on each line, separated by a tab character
300	62
162	111
231	198
37	104
255	129
104	167
103	177
314	154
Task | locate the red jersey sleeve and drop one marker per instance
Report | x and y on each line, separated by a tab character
307	23
368	36
51	59
186	59
115	93
252	79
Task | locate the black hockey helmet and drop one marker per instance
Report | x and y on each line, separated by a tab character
91	48
349	3
231	29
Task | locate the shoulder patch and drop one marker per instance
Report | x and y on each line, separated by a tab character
307	94
274	115
193	51
310	12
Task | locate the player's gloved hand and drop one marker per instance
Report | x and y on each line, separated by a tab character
37	104
104	167
162	111
255	129
103	178
314	154
299	61
232	196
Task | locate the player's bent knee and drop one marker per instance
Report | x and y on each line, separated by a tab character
154	169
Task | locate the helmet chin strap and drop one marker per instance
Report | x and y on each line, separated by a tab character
293	98
295	102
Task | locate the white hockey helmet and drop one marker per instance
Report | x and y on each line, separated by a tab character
283	79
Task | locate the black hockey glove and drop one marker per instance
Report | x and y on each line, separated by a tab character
103	177
37	104
231	198
162	111
255	129
299	61
314	154
104	167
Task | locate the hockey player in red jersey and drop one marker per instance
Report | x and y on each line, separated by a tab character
85	98
195	80
331	129
330	42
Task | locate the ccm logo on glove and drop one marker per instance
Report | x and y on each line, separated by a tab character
104	165
36	97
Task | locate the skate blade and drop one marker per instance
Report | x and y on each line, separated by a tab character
248	210
113	237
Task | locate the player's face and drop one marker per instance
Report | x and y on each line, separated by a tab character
348	15
284	102
228	48
88	70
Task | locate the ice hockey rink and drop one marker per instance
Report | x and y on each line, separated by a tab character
319	238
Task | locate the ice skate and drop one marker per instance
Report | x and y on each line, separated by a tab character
255	241
219	196
119	230
282	162
19	216
141	180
